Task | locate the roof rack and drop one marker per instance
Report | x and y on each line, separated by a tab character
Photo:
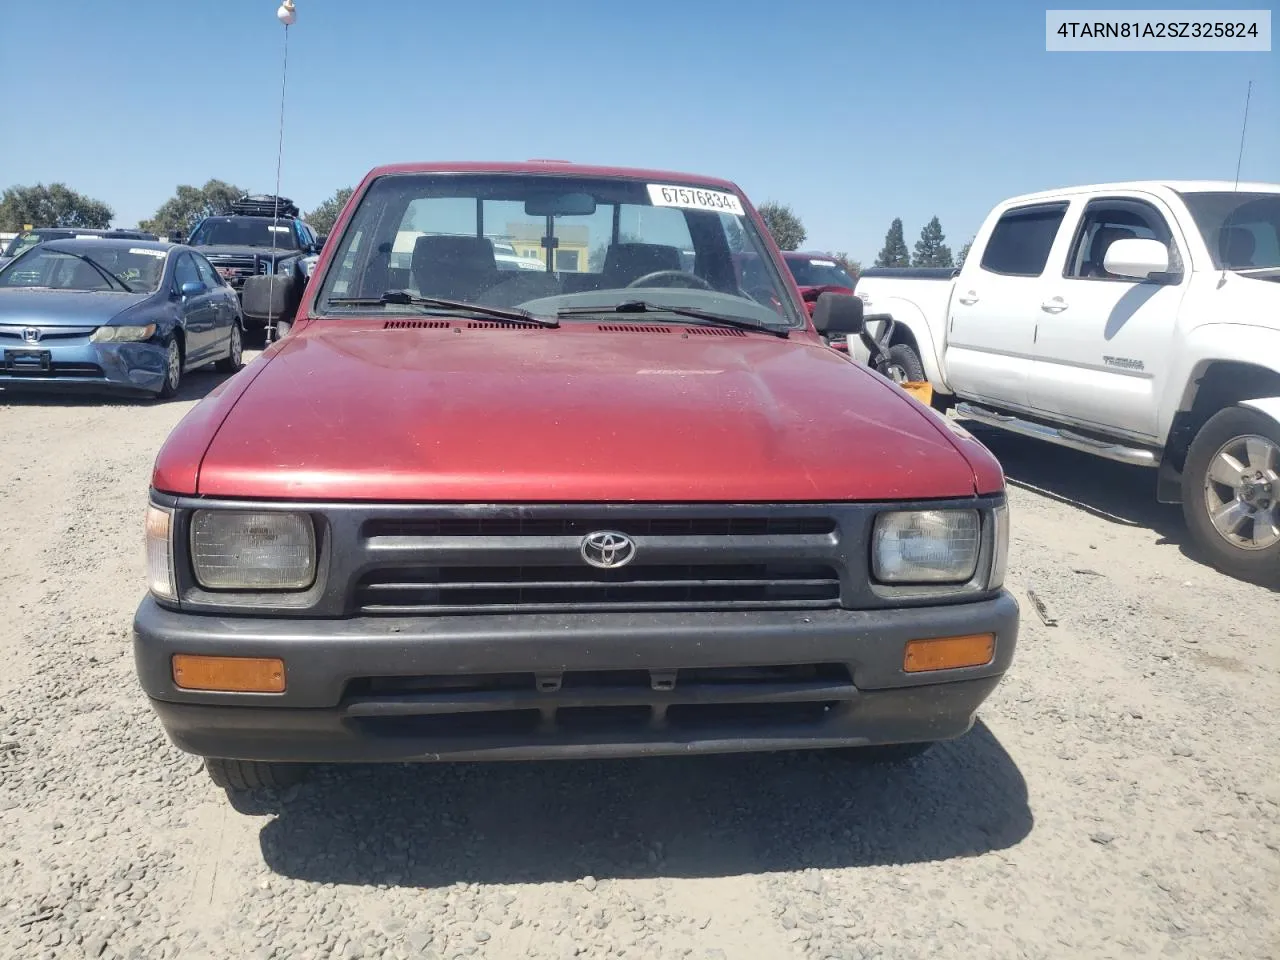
265	206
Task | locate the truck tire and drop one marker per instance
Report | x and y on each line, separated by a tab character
253	774
902	364
1231	494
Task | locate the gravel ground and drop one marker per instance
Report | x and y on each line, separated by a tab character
1119	797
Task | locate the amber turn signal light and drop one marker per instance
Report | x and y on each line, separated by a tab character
949	653
228	674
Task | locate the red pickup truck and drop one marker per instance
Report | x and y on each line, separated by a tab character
621	506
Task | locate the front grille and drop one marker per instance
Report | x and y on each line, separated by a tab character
236	270
46	333
459	561
464	589
600	702
85	370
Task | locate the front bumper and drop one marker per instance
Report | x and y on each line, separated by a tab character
136	369
598	685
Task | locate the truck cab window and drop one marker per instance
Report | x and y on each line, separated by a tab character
1106	221
1019	244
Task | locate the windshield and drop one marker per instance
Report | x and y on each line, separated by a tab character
610	241
95	267
244	232
25	241
1241	230
818	272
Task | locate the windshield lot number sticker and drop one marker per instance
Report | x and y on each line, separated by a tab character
692	199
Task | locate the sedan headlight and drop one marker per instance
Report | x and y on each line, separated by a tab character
926	546
134	334
253	550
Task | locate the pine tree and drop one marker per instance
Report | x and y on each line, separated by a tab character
930	250
963	255
894	253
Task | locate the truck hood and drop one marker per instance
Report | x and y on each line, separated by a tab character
40	307
478	413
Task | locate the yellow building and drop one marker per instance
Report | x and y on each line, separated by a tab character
571	254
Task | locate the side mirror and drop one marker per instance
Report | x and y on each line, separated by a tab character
321	241
838	313
194	288
1136	259
266	296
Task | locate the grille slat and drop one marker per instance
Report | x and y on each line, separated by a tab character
579	526
451	589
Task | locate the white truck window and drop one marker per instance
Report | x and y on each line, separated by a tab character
1106	221
1019	244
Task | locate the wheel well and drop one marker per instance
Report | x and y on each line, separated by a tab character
1224	383
902	334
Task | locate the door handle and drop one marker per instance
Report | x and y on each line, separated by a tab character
1054	305
968	299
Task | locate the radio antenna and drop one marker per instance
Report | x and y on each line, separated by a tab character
1235	187
1243	127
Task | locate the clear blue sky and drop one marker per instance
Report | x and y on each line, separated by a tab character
852	113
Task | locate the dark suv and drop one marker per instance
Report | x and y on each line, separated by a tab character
263	235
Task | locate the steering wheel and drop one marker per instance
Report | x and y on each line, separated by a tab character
691	280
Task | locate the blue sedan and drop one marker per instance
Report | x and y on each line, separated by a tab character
114	316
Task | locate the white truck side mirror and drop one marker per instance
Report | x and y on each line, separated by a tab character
1135	258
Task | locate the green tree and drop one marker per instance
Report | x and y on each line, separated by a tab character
964	253
851	267
734	236
189	205
56	205
930	250
788	232
894	253
323	217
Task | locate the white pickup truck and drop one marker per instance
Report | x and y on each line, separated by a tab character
1136	321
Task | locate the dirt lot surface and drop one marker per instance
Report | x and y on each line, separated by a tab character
1119	796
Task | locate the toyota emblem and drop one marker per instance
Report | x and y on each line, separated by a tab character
31	334
608	549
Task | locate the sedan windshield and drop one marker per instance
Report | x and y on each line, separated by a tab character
583	247
25	241
818	272
93	267
244	232
1241	230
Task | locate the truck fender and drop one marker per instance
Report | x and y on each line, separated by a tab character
907	314
1267	406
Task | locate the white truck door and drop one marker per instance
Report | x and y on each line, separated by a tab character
992	317
1104	341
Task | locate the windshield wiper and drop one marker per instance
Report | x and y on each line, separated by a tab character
405	298
111	277
703	316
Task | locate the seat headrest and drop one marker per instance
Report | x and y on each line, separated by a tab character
1236	246
447	253
625	262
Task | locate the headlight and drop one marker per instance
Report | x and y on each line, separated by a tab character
160	553
253	550
124	334
926	546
